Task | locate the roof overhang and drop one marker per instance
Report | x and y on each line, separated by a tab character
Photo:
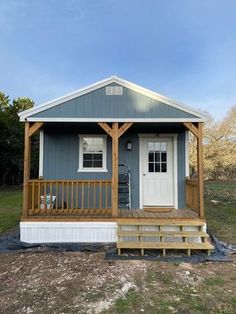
26	115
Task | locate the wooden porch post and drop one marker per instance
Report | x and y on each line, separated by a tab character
200	171
26	170
29	131
197	131
115	132
115	158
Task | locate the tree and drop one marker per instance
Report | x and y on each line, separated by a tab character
219	147
12	139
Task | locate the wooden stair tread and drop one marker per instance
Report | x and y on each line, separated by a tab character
124	233
164	245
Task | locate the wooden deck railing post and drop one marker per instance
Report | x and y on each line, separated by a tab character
115	158
26	170
200	171
197	131
29	131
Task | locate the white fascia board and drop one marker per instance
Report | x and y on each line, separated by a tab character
113	79
114	119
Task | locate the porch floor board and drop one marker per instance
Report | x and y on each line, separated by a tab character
123	214
139	213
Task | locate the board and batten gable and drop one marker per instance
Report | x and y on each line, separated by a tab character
97	105
61	154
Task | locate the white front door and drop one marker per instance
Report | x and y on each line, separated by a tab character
157	172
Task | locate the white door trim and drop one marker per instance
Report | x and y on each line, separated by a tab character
173	136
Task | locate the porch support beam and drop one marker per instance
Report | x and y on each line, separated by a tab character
115	158
197	131
106	128
29	131
34	128
115	132
200	171
191	127
124	128
26	170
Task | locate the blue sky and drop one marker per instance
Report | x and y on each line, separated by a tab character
184	49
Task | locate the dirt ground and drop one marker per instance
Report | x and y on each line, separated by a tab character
83	282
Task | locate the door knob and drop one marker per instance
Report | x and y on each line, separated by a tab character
144	174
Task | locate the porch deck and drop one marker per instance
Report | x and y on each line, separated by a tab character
124	215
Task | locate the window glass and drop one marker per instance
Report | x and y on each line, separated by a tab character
157	157
92	152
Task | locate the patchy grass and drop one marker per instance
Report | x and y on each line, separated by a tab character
216	281
192	289
221	216
10	207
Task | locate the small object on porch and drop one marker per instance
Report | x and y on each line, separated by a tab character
50	201
124	186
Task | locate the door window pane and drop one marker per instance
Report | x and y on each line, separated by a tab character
157	167
163	167
163	156
151	167
151	157
157	157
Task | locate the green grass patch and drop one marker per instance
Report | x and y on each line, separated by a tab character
214	281
127	303
10	207
221	217
163	277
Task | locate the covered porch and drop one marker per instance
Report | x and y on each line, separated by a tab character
98	199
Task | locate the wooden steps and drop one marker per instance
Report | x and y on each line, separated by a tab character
163	234
187	236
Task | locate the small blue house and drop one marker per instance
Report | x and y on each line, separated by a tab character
112	153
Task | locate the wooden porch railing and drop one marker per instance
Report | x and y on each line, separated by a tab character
192	195
69	197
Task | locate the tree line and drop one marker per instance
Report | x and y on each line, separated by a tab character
12	141
219	144
219	147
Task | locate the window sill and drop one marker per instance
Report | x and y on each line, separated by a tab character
92	170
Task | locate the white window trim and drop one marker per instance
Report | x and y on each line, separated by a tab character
104	157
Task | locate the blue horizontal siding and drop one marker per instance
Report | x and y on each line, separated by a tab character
97	104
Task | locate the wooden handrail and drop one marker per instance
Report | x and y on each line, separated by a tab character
63	180
69	197
192	195
192	182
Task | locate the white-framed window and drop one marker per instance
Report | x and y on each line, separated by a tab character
92	153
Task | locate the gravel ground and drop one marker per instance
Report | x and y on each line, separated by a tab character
83	282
